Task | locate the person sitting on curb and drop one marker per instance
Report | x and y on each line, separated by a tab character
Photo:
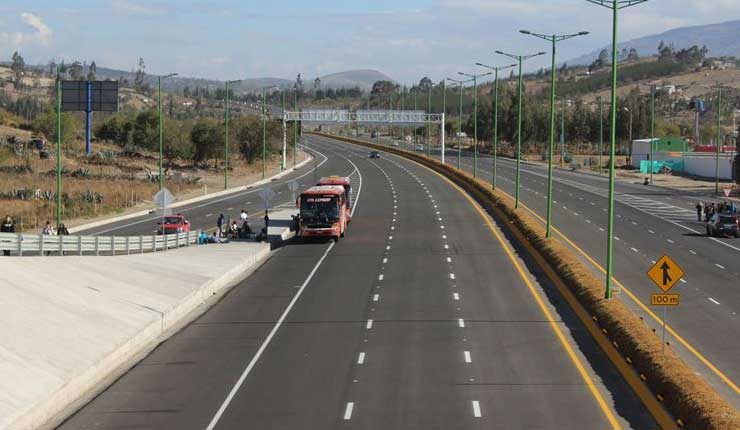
8	226
234	230
203	238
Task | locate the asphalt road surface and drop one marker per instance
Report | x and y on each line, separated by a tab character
419	319
649	222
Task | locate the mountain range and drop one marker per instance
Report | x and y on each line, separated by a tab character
722	39
363	79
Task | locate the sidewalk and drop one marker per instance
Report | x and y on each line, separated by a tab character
72	328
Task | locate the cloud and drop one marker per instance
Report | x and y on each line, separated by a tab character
40	32
127	7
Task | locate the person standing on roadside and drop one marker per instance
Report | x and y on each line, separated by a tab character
244	215
48	230
8	226
220	224
699	210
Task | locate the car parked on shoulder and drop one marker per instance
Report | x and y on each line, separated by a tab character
173	224
724	225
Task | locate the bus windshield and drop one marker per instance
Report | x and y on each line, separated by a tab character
319	209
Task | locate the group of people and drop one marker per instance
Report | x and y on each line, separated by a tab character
9	226
233	230
709	209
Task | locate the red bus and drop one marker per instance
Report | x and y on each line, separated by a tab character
342	181
323	212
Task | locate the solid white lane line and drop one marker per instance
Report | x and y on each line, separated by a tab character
713	301
348	410
361	358
476	409
376	297
461	322
369	324
467	357
265	343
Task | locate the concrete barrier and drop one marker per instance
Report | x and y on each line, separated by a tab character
689	398
73	325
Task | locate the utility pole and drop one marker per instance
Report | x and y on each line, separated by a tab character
59	146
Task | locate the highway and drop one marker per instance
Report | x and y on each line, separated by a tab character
423	317
649	222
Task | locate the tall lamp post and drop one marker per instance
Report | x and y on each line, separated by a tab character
264	135
161	132
615	6
494	149
554	39
520	59
226	134
59	145
474	78
719	137
295	125
460	83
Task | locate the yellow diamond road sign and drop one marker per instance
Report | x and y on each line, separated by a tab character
665	273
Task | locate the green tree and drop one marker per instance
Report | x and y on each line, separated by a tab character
18	67
46	125
116	129
207	138
75	71
145	133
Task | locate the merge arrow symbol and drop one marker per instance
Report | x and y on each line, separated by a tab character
666	277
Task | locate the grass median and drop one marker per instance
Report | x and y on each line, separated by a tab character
691	400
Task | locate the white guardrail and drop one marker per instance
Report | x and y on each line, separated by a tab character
41	244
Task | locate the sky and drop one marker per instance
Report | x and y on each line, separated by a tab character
407	39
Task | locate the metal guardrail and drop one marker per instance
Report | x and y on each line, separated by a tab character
40	244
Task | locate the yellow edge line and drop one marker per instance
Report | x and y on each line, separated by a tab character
548	315
635	299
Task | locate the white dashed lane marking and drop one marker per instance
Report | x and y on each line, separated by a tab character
713	301
348	410
369	324
361	358
468	359
476	409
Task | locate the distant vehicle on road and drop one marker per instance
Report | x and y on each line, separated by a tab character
173	224
374	154
323	212
394	143
724	225
345	183
420	147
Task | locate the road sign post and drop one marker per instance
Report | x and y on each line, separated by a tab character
293	187
163	198
665	273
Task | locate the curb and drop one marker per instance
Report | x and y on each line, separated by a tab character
84	387
192	200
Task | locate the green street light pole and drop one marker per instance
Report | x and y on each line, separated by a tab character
429	123
494	148
474	78
161	132
601	132
226	135
554	39
520	59
615	6
295	127
444	109
59	146
719	137
459	118
264	136
652	128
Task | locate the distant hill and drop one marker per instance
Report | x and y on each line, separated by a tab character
348	79
353	78
722	39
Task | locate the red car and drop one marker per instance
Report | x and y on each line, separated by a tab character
174	224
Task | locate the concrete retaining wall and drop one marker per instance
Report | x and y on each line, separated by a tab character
73	324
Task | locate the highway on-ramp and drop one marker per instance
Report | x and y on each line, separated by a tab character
423	317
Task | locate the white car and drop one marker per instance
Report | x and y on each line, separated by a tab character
394	143
420	147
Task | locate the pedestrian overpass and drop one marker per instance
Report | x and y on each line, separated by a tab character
399	118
